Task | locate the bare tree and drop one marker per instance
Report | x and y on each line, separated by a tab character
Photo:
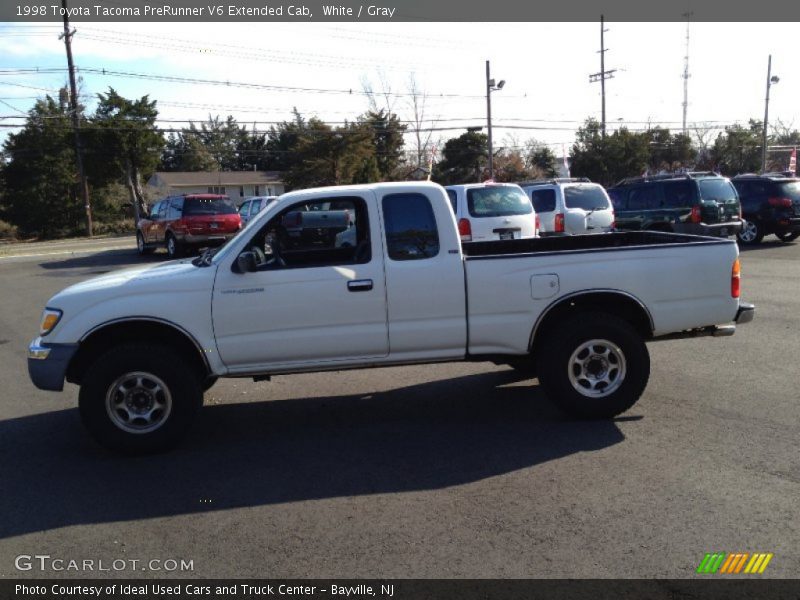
382	99
704	135
417	100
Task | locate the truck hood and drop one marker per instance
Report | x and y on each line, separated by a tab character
173	276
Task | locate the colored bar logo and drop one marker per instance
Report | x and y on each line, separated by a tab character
734	563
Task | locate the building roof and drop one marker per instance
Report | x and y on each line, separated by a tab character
200	178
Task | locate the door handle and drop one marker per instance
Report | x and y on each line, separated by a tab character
359	285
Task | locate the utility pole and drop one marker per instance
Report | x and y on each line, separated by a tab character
770	80
686	75
76	123
603	74
491	86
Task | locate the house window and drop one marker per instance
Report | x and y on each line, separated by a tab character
258	190
241	191
216	189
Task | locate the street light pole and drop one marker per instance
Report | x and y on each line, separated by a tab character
489	119
491	87
770	80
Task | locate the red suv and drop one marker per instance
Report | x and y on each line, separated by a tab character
180	222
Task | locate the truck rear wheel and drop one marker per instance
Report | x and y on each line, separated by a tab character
139	398
595	366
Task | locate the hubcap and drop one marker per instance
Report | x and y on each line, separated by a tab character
748	232
171	246
138	402
140	242
596	368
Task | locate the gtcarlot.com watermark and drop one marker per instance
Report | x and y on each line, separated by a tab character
47	563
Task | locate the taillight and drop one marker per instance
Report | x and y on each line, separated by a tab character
465	230
780	202
695	216
537	226
559	227
736	278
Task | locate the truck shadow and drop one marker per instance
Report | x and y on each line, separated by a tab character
100	262
422	437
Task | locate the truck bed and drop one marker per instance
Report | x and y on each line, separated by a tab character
584	243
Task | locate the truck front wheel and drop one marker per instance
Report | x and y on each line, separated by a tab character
139	398
594	366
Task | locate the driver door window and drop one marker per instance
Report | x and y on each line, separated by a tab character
326	232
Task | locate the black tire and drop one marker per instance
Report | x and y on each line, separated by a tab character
141	247
788	237
174	247
751	233
620	355
175	395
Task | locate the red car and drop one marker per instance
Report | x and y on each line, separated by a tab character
181	222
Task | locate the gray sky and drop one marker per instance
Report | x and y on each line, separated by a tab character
546	67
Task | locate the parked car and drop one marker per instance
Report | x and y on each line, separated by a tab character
252	206
183	222
701	203
144	343
492	211
770	204
570	206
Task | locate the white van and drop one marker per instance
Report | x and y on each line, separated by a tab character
570	206
492	211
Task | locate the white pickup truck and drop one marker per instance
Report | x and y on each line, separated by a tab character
144	343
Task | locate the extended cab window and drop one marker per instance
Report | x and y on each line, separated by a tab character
411	232
544	200
319	233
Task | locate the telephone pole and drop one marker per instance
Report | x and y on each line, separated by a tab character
686	75
76	123
603	74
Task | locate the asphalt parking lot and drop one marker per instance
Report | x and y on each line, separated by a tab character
455	470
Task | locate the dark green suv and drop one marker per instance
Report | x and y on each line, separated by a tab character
701	203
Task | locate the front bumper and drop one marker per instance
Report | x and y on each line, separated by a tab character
47	364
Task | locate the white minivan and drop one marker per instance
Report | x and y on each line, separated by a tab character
570	206
492	211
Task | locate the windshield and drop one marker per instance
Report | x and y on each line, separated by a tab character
498	201
717	189
208	206
587	197
791	190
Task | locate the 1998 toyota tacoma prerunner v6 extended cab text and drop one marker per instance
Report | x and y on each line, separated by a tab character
144	343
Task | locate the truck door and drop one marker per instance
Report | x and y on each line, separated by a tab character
424	277
312	299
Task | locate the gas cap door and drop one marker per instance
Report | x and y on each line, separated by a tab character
544	286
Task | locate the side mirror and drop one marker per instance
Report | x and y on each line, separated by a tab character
246	262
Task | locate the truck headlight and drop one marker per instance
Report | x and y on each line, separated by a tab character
50	318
